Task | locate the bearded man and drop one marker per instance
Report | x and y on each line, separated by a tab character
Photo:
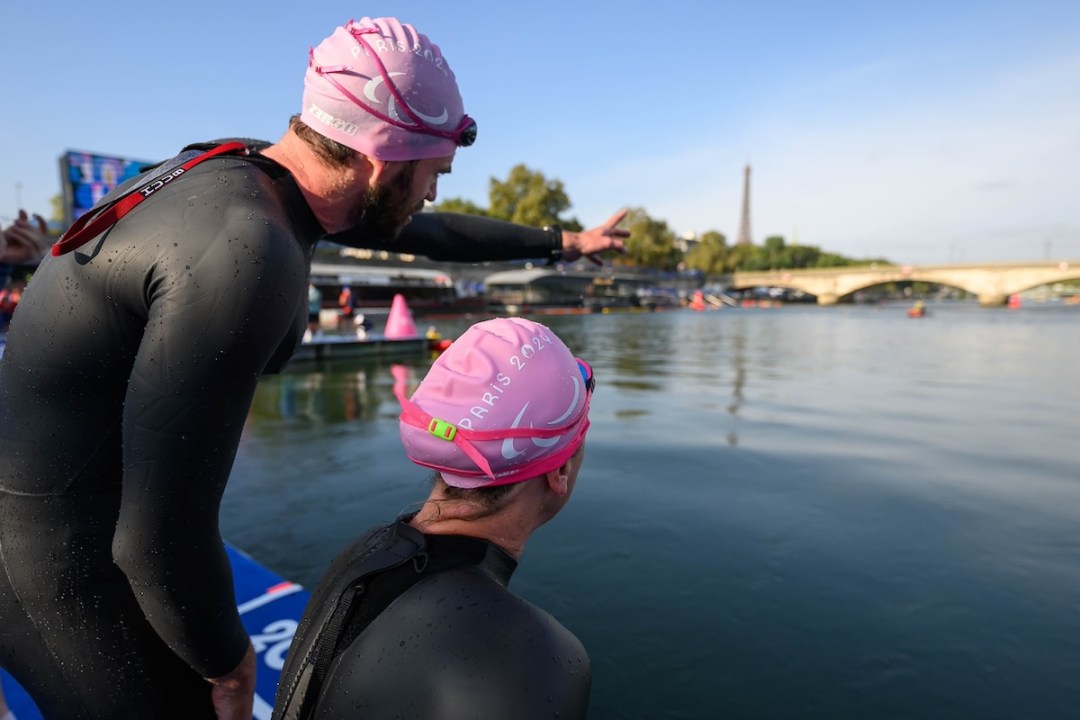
133	358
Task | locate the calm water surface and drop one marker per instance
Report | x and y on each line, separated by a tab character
795	513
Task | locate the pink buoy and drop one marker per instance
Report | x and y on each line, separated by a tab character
400	322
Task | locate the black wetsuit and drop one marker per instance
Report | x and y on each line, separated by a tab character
128	374
407	625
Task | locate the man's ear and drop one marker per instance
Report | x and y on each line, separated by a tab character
559	480
374	168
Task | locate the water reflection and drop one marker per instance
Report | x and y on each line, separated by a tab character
738	363
812	513
318	396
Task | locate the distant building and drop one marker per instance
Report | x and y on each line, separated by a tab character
687	242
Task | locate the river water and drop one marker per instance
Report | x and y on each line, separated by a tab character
784	513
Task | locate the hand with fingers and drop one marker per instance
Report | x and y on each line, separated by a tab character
233	694
24	241
590	243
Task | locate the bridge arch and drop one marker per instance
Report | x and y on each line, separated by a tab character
991	283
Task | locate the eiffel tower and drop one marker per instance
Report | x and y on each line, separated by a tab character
744	222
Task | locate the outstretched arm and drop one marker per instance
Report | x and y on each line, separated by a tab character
471	238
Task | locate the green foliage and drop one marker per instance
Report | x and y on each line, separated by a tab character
710	255
57	214
754	259
526	197
775	254
763	257
738	256
461	205
826	260
651	242
774	245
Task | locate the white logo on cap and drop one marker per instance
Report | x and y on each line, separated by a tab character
332	122
510	451
373	84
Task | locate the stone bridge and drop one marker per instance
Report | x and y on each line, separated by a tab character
992	283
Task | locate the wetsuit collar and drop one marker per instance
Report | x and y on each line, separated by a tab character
489	558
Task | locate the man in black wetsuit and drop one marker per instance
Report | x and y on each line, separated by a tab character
414	619
132	361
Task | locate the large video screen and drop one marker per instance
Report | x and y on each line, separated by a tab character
88	177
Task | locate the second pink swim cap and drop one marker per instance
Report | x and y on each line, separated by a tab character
506	402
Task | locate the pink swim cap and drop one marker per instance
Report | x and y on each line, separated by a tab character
506	402
385	90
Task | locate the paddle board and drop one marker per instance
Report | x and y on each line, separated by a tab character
270	608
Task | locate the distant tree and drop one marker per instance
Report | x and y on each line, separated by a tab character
757	258
710	255
57	214
527	197
875	261
776	254
651	242
739	255
827	260
460	205
773	251
799	256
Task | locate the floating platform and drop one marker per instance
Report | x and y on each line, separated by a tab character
340	347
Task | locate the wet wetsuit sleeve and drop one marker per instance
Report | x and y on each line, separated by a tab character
464	238
213	322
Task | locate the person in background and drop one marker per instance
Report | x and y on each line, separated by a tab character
347	308
21	243
131	365
24	242
361	326
10	295
415	619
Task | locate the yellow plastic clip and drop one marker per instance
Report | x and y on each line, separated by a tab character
442	429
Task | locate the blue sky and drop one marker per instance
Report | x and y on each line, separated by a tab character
923	132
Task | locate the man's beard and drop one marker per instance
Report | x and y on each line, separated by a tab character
383	211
